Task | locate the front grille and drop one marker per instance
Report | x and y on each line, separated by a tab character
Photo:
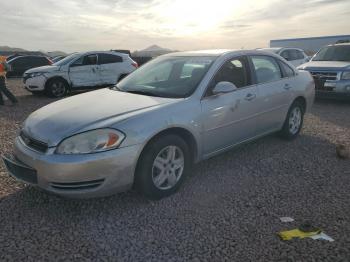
77	185
20	170
322	77
33	143
326	76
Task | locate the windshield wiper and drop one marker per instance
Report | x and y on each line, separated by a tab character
143	92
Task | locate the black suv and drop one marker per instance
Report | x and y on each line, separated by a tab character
20	64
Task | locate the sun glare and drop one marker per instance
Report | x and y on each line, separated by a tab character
189	17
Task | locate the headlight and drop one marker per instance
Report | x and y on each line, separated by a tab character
345	75
36	74
94	141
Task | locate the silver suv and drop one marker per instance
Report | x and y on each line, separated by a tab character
330	68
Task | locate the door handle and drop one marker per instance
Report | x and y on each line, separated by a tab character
93	70
250	96
287	86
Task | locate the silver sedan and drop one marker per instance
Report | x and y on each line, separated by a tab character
151	127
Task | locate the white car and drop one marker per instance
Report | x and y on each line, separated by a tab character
295	56
79	71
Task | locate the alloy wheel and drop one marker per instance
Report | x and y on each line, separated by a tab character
58	89
295	120
168	167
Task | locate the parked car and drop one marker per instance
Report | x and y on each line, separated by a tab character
148	129
57	58
330	68
79	71
20	64
295	56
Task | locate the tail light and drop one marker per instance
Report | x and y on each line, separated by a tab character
134	64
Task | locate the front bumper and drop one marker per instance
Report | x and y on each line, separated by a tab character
339	89
76	176
35	83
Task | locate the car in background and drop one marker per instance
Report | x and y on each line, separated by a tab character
20	64
147	130
330	68
79	71
295	56
57	58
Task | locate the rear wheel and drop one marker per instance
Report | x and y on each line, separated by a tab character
294	121
57	88
162	167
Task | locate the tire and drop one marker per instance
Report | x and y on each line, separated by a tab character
294	121
56	88
158	174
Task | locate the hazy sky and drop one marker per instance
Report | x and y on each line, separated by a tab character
77	25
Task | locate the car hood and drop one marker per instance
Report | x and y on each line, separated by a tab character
97	109
325	65
50	68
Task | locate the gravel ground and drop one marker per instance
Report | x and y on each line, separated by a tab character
227	210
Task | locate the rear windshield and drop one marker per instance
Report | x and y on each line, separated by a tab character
333	53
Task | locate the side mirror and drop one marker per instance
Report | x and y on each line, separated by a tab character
224	87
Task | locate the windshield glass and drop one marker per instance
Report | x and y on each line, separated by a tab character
66	60
172	77
333	53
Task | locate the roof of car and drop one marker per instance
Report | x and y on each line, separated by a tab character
341	44
222	52
102	52
213	52
279	48
25	56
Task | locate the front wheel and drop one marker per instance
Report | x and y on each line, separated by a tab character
162	167
294	121
57	88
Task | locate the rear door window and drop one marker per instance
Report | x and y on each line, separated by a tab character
86	60
287	70
266	69
299	54
109	59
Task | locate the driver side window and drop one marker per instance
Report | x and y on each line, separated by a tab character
86	60
233	71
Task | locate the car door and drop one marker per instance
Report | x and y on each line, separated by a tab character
110	68
274	92
83	71
229	118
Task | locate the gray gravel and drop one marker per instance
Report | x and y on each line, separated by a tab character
227	210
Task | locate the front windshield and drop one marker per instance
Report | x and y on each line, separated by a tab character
66	60
333	53
173	77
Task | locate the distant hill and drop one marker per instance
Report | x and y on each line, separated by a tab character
11	49
7	50
152	51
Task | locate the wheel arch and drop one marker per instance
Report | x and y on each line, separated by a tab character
301	100
57	78
184	133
